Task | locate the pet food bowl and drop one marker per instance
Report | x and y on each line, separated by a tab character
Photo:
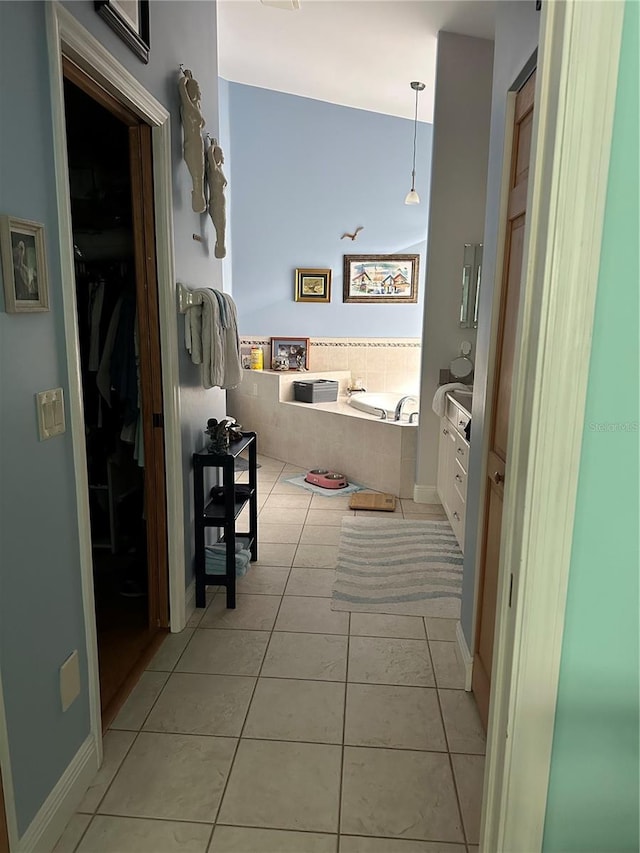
326	479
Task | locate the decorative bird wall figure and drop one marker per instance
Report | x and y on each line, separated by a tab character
354	235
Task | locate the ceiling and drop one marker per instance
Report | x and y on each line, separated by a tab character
358	53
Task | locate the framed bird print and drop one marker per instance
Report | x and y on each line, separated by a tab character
313	285
391	279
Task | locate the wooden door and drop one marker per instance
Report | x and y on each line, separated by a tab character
141	161
4	833
497	464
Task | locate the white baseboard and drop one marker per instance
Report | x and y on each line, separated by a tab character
60	806
426	495
465	654
189	602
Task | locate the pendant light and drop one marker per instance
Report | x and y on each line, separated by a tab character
412	196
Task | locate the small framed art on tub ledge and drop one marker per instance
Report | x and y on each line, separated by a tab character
290	353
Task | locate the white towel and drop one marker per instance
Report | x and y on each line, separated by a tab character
439	404
210	344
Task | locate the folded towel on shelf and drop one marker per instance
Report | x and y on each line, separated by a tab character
215	562
439	404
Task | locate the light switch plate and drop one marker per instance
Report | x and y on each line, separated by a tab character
50	408
70	680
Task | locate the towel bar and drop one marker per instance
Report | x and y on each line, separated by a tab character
187	298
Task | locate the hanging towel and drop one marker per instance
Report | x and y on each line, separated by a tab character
439	398
211	337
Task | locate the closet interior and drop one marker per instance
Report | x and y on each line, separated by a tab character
99	159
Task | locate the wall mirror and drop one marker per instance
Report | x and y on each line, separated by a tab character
471	272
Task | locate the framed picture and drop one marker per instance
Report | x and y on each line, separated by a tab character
290	353
381	278
24	265
130	20
313	286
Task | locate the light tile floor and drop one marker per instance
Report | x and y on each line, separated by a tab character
286	727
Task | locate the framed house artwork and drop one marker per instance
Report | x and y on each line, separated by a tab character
24	265
390	279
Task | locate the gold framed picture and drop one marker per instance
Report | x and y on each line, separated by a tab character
313	285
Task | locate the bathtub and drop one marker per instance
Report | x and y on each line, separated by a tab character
378	454
375	404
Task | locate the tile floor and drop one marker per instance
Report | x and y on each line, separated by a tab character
285	727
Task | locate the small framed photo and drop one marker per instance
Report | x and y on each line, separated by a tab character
24	265
313	286
245	356
391	279
290	353
130	20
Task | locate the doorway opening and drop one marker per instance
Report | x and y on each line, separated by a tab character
111	192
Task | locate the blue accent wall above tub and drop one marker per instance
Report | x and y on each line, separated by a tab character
303	172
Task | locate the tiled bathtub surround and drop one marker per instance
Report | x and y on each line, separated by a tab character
378	454
383	364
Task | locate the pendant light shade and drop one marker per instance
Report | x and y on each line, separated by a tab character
412	196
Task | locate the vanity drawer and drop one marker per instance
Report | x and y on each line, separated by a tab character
462	452
452	412
457	515
460	480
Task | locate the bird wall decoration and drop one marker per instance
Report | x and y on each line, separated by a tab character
354	235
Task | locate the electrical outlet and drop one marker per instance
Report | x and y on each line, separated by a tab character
70	680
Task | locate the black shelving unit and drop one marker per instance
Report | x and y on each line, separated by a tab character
223	516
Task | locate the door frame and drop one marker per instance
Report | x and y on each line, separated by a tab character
66	36
6	788
575	101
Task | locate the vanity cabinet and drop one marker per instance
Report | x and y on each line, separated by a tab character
453	456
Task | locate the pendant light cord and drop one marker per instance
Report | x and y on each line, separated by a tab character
415	136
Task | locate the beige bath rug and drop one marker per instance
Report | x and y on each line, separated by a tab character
412	568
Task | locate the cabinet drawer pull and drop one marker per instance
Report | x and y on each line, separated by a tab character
458	478
445	432
498	478
460	450
456	516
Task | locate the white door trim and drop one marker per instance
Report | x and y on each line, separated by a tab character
66	35
575	102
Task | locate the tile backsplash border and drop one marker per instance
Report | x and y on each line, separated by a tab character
414	343
378	364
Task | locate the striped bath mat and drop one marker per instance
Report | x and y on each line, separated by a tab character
412	568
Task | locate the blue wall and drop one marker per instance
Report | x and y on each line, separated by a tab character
41	617
303	173
593	798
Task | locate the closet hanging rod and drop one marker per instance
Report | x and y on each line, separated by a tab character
187	298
